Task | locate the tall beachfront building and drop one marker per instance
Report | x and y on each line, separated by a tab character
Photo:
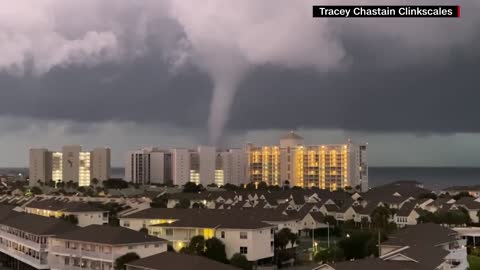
205	165
323	166
148	166
69	164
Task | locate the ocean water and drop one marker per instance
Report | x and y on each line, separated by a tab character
435	178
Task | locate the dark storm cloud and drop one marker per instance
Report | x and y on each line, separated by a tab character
142	91
440	95
413	76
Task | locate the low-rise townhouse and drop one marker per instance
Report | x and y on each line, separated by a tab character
97	247
25	238
240	233
86	213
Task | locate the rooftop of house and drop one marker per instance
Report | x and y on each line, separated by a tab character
63	205
174	261
372	264
395	193
424	234
110	235
227	219
36	224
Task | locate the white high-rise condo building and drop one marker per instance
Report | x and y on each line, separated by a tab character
323	166
330	167
148	166
205	166
71	164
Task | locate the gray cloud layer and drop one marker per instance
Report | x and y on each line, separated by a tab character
156	62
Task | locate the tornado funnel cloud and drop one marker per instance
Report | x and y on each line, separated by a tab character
223	95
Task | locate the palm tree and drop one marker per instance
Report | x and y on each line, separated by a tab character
95	182
70	184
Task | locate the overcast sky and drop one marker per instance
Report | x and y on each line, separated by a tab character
127	74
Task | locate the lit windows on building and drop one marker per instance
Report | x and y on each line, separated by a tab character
195	176
57	166
84	169
219	178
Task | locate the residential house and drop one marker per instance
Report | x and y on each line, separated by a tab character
86	213
97	247
240	233
25	237
407	215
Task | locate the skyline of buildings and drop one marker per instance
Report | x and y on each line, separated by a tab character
291	162
69	164
324	166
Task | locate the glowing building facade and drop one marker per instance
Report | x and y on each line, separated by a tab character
323	166
71	164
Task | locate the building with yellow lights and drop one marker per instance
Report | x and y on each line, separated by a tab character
324	166
205	165
240	233
70	164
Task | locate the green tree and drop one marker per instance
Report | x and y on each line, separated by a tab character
262	185
380	217
356	245
250	186
183	203
70	184
230	187
159	202
60	184
196	246
115	183
191	187
215	250
122	260
330	220
198	206
284	237
95	182
364	223
70	218
461	195
332	254
113	221
51	184
240	261
428	217
36	190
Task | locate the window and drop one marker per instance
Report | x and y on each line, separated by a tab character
243	235
243	250
126	224
67	260
169	232
157	245
222	235
130	247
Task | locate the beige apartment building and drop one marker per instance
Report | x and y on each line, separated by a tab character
70	164
323	166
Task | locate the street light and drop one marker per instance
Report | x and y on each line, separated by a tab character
348	235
